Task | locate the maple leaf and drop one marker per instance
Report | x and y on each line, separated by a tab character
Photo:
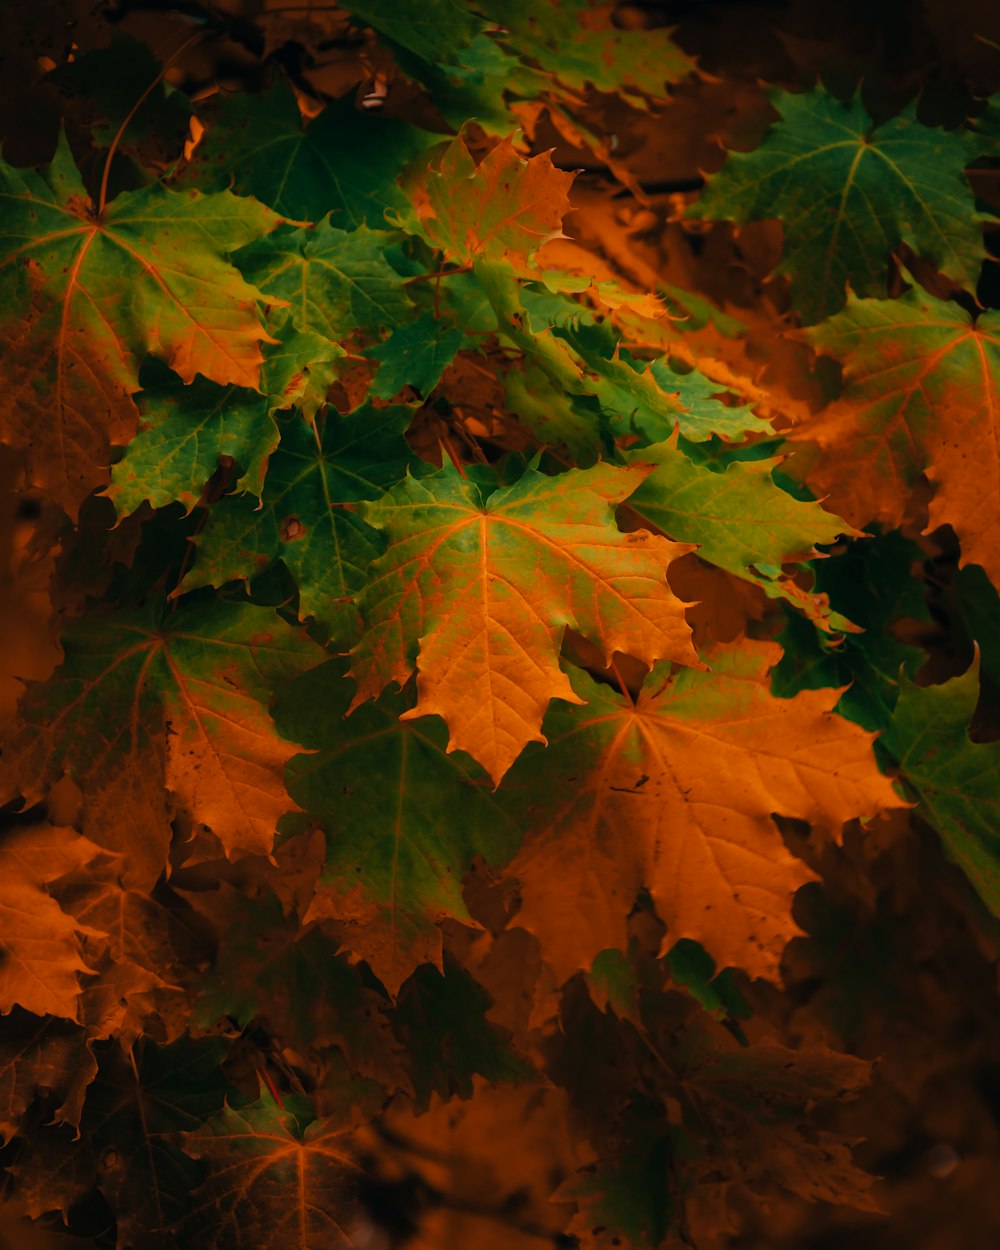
299	519
107	82
740	519
179	700
414	355
954	777
129	947
650	400
503	209
441	1020
502	1148
872	583
185	431
476	588
643	806
344	162
848	193
86	297
403	820
437	31
40	951
334	281
583	358
726	1123
36	1053
920	382
134	1110
271	1183
578	44
189	430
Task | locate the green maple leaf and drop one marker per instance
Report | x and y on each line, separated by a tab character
415	355
441	1020
84	299
335	281
111	80
179	699
299	519
343	163
436	31
580	47
186	430
957	780
870	583
448	48
404	820
740	519
653	399
594	385
475	590
848	193
272	1185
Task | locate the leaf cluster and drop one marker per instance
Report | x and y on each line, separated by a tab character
454	630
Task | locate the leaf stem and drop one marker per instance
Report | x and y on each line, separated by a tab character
621	682
102	197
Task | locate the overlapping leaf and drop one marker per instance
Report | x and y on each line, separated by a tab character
476	588
740	519
675	792
920	386
504	208
133	1113
579	44
848	193
176	701
40	951
271	1184
334	281
403	820
344	163
85	297
713	1124
956	779
301	520
36	1053
188	432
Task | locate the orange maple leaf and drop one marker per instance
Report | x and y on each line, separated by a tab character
920	395
675	792
40	952
503	209
476	590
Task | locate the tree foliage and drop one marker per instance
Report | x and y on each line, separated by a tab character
484	535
